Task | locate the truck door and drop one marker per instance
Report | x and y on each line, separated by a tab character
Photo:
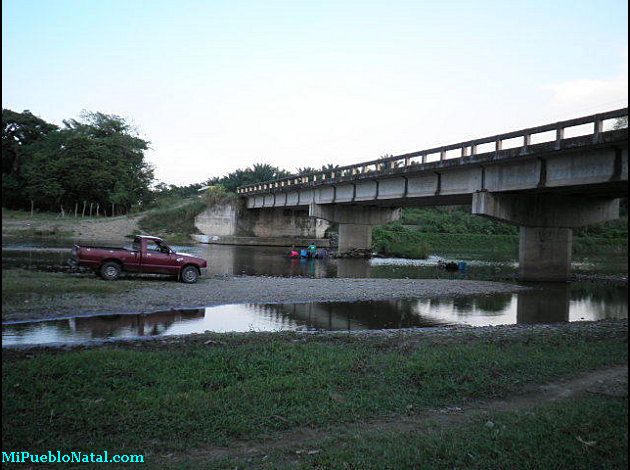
156	259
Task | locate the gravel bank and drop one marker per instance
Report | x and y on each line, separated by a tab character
168	295
406	338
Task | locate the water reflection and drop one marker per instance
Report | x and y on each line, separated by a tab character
552	303
273	261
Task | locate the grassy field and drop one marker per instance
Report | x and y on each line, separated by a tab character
20	285
589	432
161	398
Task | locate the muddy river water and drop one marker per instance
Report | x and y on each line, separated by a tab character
592	299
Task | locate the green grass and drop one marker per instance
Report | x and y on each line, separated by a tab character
548	437
19	285
413	242
400	241
456	231
156	397
460	220
454	221
174	224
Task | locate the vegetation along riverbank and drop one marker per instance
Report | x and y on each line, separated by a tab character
459	397
446	231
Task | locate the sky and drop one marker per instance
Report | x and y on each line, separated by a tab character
220	85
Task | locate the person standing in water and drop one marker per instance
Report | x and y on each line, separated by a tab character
312	250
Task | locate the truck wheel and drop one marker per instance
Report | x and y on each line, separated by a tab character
110	271
189	275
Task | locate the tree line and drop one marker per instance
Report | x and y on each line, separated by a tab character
91	166
257	173
94	165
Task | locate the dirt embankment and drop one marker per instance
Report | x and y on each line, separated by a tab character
104	228
170	295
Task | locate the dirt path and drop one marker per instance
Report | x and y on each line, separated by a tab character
612	381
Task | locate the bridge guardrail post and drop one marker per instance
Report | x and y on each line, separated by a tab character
527	141
559	137
598	128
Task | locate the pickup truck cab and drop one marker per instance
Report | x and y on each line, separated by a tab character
149	255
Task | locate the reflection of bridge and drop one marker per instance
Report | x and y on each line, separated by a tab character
548	180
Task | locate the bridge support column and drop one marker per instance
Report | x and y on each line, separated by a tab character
355	222
546	223
545	254
354	237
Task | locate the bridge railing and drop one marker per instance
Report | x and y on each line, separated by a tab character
594	125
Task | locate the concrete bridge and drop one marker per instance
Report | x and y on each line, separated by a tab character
547	180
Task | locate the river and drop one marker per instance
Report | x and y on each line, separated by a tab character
591	297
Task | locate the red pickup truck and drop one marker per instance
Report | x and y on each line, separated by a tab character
147	255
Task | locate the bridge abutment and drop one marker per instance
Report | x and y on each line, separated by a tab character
546	223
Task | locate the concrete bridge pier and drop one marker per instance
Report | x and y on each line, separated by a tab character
355	222
547	223
545	253
354	236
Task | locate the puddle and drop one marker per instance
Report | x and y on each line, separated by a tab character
558	304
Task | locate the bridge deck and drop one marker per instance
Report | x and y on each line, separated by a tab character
525	160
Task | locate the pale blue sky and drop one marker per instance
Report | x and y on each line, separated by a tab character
218	85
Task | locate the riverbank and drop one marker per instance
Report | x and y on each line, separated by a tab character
407	241
29	295
174	222
542	395
21	226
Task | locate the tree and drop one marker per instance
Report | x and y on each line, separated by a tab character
621	123
98	159
19	130
307	170
257	174
329	167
